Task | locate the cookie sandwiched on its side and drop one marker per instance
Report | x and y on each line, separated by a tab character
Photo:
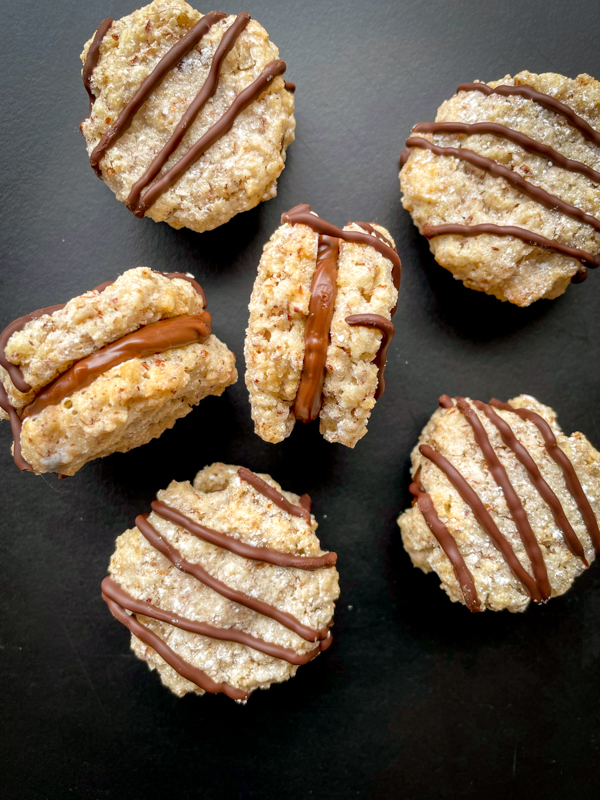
506	505
109	370
224	585
505	184
190	116
320	325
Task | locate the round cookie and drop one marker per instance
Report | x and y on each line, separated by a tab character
506	506
506	184
190	117
224	586
319	326
109	370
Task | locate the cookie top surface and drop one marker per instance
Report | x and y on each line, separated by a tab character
223	502
275	344
239	169
440	189
493	529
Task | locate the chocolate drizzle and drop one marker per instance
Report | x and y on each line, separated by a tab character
92	58
323	292
561	458
266	609
544	100
539	588
111	590
272	494
536	193
144	193
447	543
147	341
290	86
16	374
174	56
240	548
527	143
589	260
387	329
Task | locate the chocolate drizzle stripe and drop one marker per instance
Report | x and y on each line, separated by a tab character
147	341
302	215
445	401
187	671
448	545
450	229
536	193
387	329
272	494
544	100
15	426
513	502
561	458
323	292
213	134
525	142
305	502
290	86
112	590
92	58
484	518
175	557
240	548
207	91
523	455
156	77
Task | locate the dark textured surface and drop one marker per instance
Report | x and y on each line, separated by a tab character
416	698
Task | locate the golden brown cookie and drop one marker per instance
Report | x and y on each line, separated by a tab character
109	370
190	117
505	184
320	325
506	506
224	586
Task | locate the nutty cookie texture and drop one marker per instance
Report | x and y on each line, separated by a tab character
190	117
224	586
506	506
109	370
505	184
320	325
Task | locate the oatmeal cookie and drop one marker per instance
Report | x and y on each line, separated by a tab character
320	325
224	586
190	117
506	506
109	370
505	184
